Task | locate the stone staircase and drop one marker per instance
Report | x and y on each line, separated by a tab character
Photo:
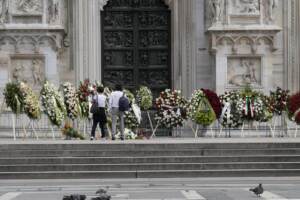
148	160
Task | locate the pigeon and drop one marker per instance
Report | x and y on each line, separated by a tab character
101	191
258	190
102	195
75	197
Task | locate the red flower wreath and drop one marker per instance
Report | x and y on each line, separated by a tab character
214	101
294	107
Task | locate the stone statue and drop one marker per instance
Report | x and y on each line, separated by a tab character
53	11
29	6
3	11
270	6
17	72
216	7
36	72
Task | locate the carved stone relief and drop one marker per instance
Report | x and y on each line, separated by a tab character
245	7
29	69
28	7
53	12
243	71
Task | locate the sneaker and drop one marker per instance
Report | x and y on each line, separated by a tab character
92	138
122	137
113	138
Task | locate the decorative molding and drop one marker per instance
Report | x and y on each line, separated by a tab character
36	39
234	39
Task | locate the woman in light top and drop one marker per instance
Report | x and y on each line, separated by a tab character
99	117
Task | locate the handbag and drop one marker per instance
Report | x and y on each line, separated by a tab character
95	108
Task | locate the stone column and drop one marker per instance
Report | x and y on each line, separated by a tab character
292	45
184	45
87	39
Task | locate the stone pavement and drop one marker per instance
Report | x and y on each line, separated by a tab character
154	189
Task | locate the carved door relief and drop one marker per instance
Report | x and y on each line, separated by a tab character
136	44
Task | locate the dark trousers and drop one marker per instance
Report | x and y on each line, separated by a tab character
101	120
101	125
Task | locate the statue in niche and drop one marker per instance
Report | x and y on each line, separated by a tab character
250	6
3	11
245	75
216	8
29	6
270	6
17	72
37	72
53	11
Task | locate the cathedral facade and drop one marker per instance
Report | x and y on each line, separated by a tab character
182	44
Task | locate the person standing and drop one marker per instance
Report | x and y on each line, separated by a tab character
99	117
115	112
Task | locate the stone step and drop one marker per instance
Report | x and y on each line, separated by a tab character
139	153
151	174
149	166
147	159
144	146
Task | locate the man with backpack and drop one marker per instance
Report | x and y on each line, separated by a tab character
118	104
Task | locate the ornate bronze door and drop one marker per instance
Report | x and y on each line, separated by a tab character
136	44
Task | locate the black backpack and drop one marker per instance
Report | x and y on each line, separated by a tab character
124	103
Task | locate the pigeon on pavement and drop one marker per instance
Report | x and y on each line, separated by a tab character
258	190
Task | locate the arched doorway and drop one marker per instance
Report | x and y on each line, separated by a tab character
136	44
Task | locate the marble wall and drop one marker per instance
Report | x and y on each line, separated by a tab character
34	42
216	44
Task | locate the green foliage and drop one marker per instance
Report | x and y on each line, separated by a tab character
200	110
13	97
144	98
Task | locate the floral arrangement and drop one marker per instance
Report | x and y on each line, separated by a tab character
30	101
200	109
214	101
171	108
128	134
293	106
267	113
131	119
13	97
230	116
250	104
71	100
279	99
144	98
53	104
85	90
70	132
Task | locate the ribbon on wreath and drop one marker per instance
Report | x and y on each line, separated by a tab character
248	102
226	110
295	114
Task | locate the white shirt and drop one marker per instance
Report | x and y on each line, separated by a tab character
114	99
101	100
